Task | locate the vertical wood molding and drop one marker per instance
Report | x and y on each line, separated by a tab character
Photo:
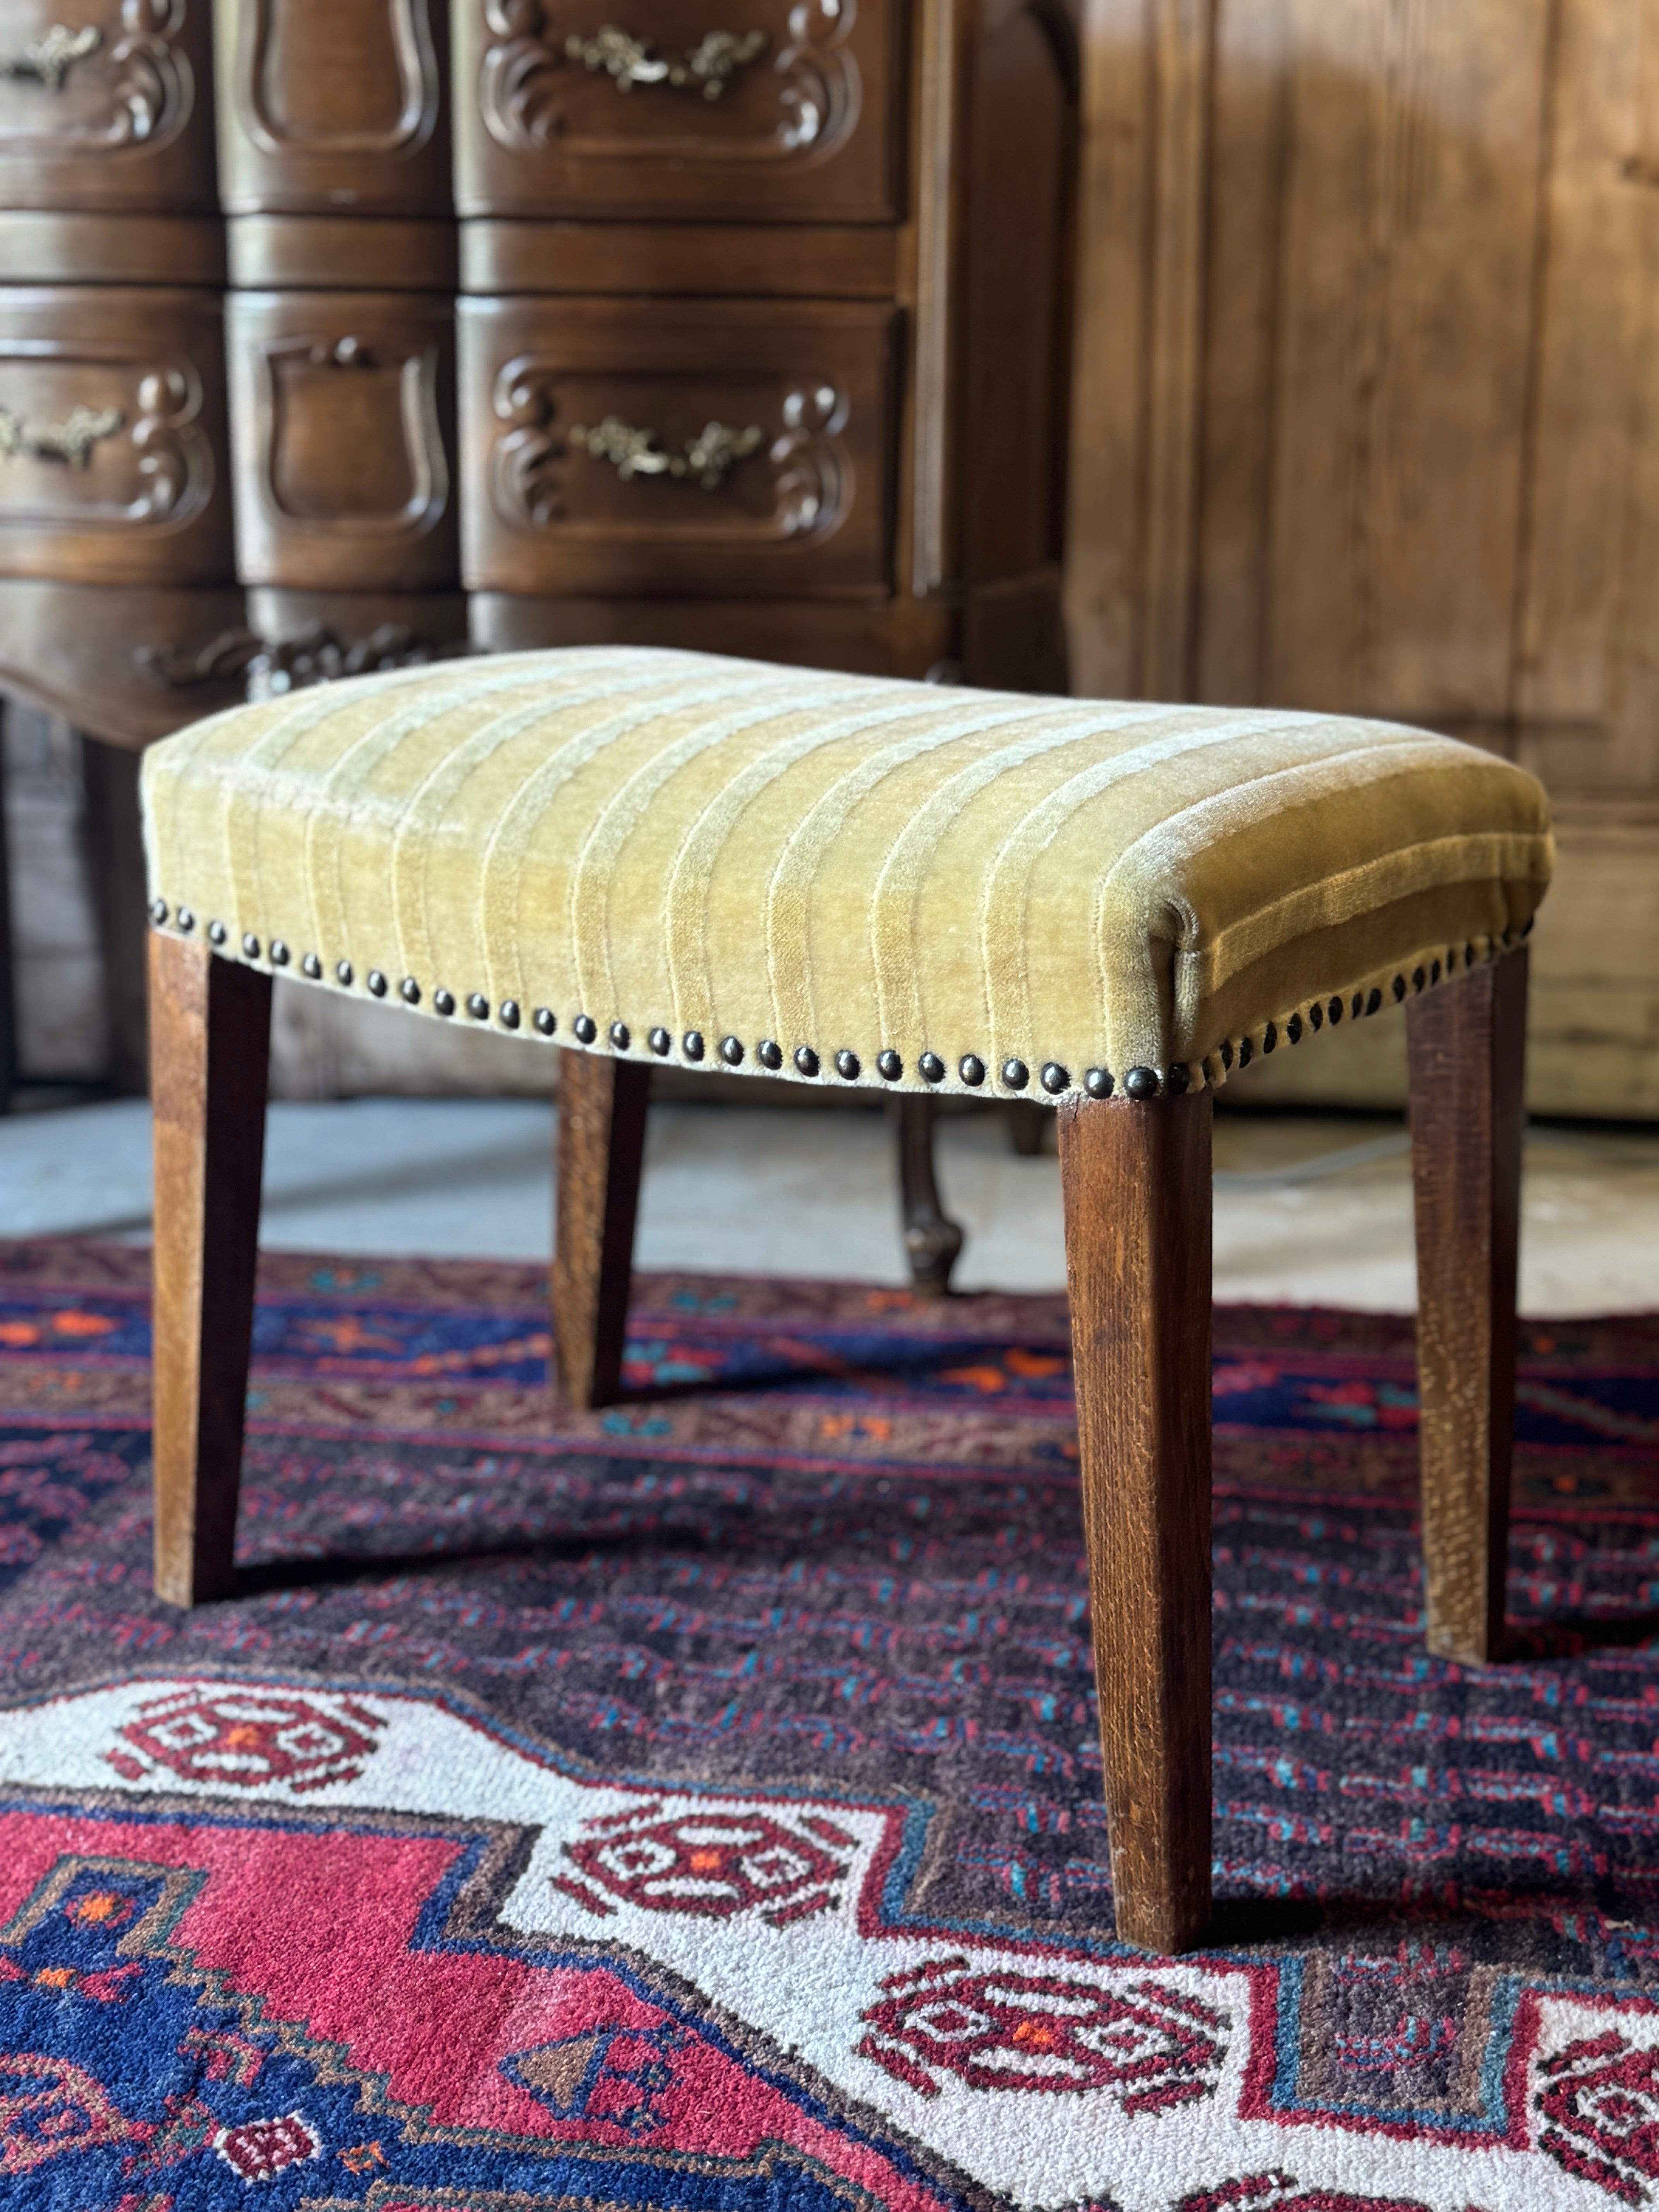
1138	390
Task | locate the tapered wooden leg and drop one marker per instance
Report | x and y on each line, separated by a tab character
932	1240
602	1105
210	1044
1135	1179
1467	1045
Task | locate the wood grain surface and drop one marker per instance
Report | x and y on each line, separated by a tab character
602	1105
210	1042
932	1240
1466	1043
1135	1179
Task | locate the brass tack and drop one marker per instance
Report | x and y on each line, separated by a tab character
1055	1078
478	1006
443	1002
1143	1083
377	982
806	1060
342	969
217	932
889	1066
251	945
311	968
278	953
1270	1038
769	1053
659	1042
731	1051
158	911
931	1067
584	1027
1097	1082
972	1069
409	991
546	1022
508	1013
1016	1075
619	1035
692	1044
846	1066
1177	1081
185	920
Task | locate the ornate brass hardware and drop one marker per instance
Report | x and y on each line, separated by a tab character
710	456
709	67
70	441
50	59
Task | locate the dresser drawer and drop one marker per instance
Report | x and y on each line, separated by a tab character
327	106
343	414
784	112
710	447
112	436
106	104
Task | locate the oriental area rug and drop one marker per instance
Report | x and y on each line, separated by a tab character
696	1806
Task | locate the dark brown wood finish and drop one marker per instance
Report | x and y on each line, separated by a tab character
1466	1046
587	459
343	419
602	1105
330	106
803	127
637	260
1135	1178
932	1240
210	1044
107	105
118	472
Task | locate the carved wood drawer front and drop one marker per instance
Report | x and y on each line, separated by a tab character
342	422
327	106
106	104
783	110
736	446
112	436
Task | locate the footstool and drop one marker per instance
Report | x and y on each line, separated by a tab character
653	857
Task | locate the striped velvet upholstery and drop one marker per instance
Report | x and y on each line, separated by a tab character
913	884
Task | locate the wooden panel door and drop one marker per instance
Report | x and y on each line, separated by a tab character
1367	418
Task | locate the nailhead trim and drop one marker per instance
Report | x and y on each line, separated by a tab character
1141	1082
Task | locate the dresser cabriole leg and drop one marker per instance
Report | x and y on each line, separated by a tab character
602	1105
1466	1044
1135	1178
210	1044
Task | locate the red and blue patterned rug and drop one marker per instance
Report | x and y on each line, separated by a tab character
696	1806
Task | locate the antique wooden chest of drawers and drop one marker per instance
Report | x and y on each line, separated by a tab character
337	332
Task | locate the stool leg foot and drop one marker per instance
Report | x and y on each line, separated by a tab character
932	1240
210	1032
1135	1179
602	1105
1466	1043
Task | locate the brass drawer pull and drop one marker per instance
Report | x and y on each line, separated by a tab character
709	67
70	441
49	60
709	457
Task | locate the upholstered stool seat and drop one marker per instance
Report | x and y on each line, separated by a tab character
840	879
850	881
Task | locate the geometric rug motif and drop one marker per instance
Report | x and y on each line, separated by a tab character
697	1805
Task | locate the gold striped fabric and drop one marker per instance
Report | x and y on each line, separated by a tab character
844	878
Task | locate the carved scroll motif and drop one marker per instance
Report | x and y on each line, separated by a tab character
525	76
174	460
811	472
145	86
267	667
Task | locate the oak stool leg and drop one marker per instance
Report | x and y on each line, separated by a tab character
1466	1045
932	1240
209	1046
602	1105
1135	1179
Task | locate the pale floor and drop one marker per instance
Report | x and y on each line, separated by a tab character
1307	1211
